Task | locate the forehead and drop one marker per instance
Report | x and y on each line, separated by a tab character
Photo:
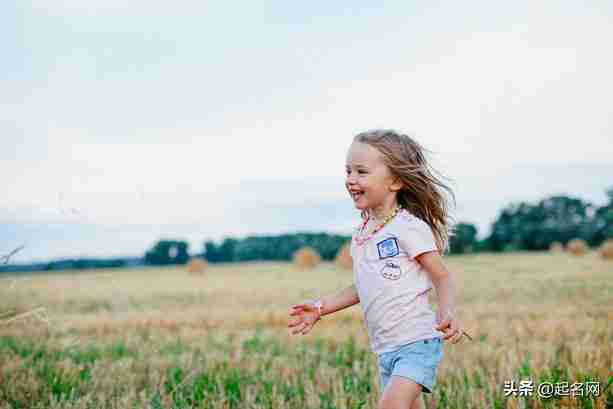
363	154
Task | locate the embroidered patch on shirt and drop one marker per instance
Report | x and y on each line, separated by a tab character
391	270
388	248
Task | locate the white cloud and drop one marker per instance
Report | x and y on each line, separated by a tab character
483	100
118	7
193	179
506	97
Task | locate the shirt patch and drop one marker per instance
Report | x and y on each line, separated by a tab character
388	248
391	270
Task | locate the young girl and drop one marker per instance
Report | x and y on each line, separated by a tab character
396	254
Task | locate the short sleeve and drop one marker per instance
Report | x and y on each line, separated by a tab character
417	238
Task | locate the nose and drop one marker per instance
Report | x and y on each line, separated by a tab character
349	180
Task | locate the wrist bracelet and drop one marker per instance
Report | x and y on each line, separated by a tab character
319	305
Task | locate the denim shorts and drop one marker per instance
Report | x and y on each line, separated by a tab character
417	361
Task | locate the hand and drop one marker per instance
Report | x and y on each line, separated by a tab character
450	326
306	317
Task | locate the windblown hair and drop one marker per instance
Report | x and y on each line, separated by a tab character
423	193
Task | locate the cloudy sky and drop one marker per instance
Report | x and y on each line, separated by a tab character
123	122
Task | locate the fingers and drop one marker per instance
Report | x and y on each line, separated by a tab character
456	333
302	308
303	321
302	325
298	313
448	333
303	328
307	329
457	337
452	331
443	324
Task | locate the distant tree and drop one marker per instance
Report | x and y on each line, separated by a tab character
535	227
59	265
211	252
225	252
506	229
81	264
464	238
482	245
227	249
603	221
167	252
280	247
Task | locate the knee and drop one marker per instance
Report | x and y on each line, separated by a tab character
386	403
389	403
417	403
383	404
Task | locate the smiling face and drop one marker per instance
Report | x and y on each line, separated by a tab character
369	181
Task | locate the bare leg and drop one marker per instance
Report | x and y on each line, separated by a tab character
418	403
401	393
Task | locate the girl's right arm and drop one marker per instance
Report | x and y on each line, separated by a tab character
345	298
308	314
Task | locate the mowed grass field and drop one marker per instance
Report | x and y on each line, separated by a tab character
164	338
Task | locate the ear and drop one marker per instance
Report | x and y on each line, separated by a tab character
397	185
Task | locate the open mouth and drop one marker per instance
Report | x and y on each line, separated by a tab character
356	195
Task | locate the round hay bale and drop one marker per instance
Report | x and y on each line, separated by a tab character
343	258
606	249
196	265
306	257
556	247
577	247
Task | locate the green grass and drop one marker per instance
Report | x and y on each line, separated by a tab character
338	372
219	340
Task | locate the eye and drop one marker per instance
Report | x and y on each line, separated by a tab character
362	172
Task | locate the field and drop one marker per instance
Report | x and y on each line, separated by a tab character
164	338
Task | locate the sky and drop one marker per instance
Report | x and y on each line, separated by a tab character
125	122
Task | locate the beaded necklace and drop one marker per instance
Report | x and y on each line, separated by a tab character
360	241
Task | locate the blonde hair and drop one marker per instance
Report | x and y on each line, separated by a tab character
422	193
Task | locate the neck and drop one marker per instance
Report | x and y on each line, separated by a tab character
378	214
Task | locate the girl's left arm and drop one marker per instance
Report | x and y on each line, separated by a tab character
444	283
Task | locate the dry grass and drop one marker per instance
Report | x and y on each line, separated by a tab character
606	250
527	312
343	258
196	265
306	258
577	247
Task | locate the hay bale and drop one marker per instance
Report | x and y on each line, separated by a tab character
197	265
577	247
306	257
343	258
556	247
606	249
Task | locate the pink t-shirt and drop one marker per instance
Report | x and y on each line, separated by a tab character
392	285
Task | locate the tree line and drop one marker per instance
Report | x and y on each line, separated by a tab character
519	226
